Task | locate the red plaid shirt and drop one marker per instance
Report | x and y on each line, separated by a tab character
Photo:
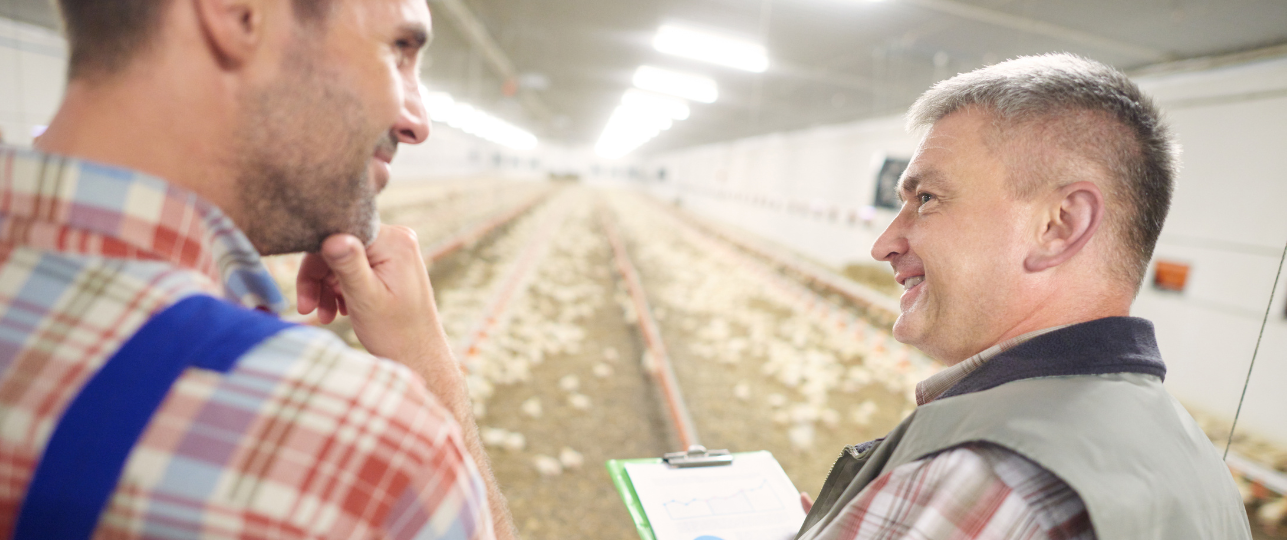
305	438
979	491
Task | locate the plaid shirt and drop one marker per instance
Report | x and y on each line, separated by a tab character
305	438
975	491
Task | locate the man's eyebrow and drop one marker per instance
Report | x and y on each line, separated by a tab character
907	185
417	33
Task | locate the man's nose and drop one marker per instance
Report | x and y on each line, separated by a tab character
892	242
413	120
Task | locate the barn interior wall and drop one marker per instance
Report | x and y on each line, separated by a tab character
37	58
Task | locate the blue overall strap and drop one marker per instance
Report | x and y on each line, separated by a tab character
87	452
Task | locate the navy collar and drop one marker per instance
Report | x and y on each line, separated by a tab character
1098	347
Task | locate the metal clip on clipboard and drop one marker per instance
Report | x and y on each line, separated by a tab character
698	456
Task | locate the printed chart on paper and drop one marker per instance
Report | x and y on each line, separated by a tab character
752	499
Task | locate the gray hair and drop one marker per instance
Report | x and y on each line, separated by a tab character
1061	118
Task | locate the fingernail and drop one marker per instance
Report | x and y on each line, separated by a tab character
344	253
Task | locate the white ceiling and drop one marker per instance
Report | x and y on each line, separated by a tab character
831	60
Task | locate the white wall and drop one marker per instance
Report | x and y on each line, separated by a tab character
1227	220
787	187
33	65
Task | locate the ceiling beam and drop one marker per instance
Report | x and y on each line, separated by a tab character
1202	63
1034	26
478	36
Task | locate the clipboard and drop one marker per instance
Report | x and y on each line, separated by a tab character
698	493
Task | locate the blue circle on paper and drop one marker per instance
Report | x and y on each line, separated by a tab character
708	537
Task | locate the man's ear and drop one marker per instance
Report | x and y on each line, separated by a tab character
233	28
1068	227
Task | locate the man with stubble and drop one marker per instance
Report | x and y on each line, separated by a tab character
196	136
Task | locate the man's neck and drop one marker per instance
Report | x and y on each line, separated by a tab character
1063	310
138	124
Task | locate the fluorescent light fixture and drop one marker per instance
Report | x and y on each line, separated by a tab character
442	108
640	117
675	109
629	128
690	87
716	49
439	105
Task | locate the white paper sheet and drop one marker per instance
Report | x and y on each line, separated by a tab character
752	499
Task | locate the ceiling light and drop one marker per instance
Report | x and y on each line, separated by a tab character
716	49
675	109
691	87
628	129
442	108
640	117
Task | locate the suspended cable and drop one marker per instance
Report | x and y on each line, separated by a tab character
1256	351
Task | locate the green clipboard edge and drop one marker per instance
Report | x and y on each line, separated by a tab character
626	488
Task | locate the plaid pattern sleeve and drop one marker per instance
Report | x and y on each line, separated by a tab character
304	438
977	491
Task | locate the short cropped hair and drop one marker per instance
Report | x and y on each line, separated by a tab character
105	35
1061	118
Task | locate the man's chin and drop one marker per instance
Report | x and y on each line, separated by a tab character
372	230
905	330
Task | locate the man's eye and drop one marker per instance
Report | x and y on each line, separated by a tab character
406	50
924	197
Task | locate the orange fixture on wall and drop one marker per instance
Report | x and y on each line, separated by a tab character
1170	275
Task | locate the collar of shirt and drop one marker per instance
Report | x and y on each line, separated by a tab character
930	389
79	207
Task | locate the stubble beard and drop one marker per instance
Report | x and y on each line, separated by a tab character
304	146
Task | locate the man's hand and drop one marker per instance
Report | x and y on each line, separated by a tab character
384	289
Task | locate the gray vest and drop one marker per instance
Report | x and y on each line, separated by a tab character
1136	458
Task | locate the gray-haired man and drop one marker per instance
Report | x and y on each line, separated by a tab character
1030	212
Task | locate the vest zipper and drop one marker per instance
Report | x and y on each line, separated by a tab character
842	473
